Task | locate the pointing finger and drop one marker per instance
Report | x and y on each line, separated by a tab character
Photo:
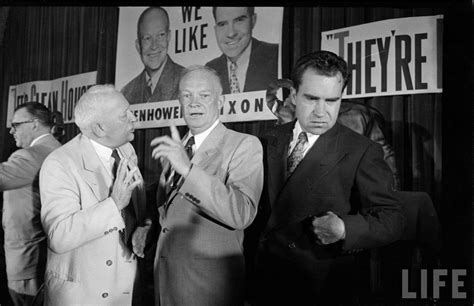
174	133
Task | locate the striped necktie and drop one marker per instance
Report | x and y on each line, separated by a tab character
126	231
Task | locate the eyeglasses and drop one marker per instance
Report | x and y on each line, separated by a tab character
15	125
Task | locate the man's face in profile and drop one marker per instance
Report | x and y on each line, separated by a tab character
233	29
152	43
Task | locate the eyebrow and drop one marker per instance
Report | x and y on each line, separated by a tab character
310	96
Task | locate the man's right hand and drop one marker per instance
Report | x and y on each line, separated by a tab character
128	177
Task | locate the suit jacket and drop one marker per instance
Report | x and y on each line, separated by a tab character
87	261
345	173
166	88
25	241
262	70
199	259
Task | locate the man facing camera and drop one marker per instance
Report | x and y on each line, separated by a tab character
159	80
329	192
25	241
207	195
247	64
86	191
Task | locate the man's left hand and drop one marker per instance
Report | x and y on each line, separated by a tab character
139	239
328	228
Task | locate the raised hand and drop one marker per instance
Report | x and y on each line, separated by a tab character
128	178
173	150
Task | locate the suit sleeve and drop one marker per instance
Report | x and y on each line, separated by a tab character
233	201
70	216
18	171
380	219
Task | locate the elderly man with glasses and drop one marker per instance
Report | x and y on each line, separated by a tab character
25	241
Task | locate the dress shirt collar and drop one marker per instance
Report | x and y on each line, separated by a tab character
296	132
38	138
199	138
156	77
242	66
105	155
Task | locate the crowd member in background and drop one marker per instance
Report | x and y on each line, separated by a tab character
25	241
208	194
246	63
86	191
159	80
329	192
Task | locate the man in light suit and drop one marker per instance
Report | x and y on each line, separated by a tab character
159	80
25	241
207	196
85	194
255	62
329	193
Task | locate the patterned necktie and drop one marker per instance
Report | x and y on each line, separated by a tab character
148	91
234	82
297	155
123	233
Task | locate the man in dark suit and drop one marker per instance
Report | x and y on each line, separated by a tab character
25	241
329	192
159	80
246	64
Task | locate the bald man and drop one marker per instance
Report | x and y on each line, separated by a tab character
208	194
159	80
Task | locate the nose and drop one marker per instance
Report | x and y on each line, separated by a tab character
131	116
12	130
231	30
319	108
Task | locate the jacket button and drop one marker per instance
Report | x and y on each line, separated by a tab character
105	233
108	262
164	230
292	245
105	294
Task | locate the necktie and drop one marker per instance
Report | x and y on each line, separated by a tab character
297	155
123	233
172	176
234	82
148	91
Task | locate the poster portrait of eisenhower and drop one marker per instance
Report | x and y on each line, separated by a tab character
155	44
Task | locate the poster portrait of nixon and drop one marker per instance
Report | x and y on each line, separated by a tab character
160	77
246	63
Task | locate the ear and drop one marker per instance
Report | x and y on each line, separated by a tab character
293	95
98	130
220	102
137	46
254	20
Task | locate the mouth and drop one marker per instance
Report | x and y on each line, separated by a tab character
195	114
232	43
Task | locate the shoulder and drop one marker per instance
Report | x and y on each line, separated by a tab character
133	84
217	62
69	151
263	47
245	141
174	66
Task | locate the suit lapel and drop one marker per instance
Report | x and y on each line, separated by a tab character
277	153
164	89
253	75
224	73
95	174
325	154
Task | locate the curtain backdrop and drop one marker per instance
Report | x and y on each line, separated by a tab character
42	43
